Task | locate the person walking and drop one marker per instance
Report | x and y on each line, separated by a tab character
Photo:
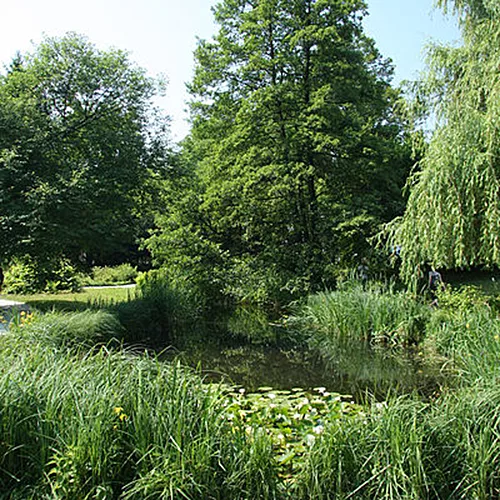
435	283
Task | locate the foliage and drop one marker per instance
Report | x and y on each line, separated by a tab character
470	340
296	154
75	151
452	215
362	314
118	275
465	298
163	309
24	276
110	425
412	450
252	324
293	420
82	330
79	423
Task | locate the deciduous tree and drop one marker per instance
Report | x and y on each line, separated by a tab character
74	150
298	154
453	214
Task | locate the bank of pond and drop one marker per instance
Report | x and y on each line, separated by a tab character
363	392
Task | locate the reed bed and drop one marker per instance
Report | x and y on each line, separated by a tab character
112	425
357	313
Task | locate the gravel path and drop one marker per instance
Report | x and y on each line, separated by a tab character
10	303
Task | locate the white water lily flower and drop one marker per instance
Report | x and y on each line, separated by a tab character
309	439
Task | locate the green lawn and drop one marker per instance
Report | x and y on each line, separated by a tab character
74	301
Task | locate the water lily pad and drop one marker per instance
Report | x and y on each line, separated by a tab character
264	389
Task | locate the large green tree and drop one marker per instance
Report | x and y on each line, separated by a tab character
298	155
75	150
453	214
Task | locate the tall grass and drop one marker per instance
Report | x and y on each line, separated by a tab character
410	450
81	330
110	425
162	310
79	419
470	340
368	314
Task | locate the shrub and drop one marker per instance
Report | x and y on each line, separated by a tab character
118	275
464	298
27	275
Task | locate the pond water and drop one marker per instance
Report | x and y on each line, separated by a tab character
358	372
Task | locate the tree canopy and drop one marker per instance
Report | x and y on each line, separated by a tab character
453	215
75	149
296	154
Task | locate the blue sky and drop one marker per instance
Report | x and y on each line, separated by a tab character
161	34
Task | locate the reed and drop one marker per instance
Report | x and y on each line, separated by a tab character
107	425
373	314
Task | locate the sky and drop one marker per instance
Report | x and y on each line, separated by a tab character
161	35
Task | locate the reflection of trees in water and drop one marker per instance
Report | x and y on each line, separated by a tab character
355	370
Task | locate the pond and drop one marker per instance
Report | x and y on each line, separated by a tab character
358	372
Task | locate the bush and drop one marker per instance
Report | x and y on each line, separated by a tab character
163	310
118	275
464	298
26	275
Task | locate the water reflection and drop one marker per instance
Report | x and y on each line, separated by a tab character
355	370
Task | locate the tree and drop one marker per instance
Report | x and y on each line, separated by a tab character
453	215
75	150
298	154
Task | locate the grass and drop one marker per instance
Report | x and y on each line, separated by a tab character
110	425
117	275
362	314
405	449
74	301
80	418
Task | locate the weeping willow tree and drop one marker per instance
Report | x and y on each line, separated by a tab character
452	218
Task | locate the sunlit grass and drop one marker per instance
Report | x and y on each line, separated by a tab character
75	301
111	425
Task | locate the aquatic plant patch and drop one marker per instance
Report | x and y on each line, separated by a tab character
292	419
